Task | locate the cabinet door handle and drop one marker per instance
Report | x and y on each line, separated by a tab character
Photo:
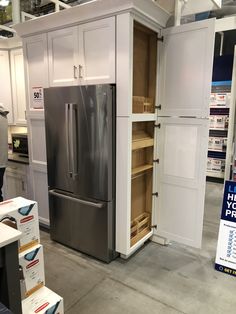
75	72
23	185
80	71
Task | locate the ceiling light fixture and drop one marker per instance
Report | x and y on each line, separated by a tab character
4	3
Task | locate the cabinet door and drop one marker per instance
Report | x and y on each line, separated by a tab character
63	57
186	69
40	188
18	86
97	52
182	152
15	185
5	83
35	50
187	58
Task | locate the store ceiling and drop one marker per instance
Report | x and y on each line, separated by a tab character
41	7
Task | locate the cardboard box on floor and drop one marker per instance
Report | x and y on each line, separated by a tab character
22	214
31	266
43	301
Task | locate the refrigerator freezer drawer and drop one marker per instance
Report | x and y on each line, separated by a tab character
83	225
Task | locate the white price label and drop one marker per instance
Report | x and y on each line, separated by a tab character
37	97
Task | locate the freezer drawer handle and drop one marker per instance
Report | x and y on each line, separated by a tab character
98	205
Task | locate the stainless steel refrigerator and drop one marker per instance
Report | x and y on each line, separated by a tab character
80	138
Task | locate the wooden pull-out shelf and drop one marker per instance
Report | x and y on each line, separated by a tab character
141	169
140	227
141	139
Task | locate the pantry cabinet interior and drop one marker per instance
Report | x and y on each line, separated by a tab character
142	177
144	69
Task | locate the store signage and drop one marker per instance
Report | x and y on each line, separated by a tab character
37	97
226	248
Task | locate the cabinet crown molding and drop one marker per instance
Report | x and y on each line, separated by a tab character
92	11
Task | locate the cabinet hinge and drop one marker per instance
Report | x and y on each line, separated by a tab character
160	38
158	107
158	125
153	227
156	160
155	194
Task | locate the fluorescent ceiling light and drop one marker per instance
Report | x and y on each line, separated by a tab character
193	6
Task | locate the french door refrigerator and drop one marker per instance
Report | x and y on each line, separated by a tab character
80	139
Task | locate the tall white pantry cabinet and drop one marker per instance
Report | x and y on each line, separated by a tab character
163	83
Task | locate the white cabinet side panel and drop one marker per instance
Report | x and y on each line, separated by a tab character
40	187
36	65
37	140
181	176
5	83
124	64
97	52
123	185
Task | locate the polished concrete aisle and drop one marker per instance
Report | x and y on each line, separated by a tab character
173	279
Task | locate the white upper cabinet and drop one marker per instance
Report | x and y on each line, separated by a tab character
63	57
83	54
186	66
5	83
97	52
35	50
18	86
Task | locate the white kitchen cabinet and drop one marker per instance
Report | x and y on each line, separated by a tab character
16	180
5	83
161	190
18	86
97	52
82	55
153	199
63	57
36	67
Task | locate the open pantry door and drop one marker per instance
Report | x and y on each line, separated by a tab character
186	69
182	140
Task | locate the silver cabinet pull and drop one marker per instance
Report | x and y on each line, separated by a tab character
75	72
80	71
77	200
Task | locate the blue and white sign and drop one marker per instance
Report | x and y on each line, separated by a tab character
226	248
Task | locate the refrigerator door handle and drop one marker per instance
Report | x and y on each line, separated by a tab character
74	140
68	150
55	193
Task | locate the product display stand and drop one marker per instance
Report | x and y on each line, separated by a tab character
22	280
218	132
10	294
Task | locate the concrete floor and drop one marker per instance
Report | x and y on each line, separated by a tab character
173	279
